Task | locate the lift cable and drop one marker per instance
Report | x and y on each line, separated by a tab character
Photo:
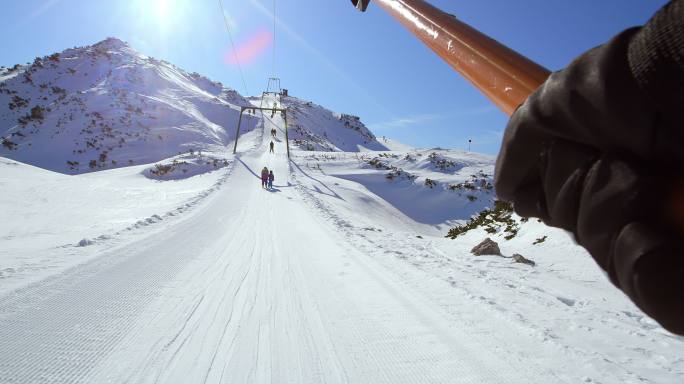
274	38
232	43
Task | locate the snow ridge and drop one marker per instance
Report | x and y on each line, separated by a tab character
313	127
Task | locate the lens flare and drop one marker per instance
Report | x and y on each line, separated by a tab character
250	49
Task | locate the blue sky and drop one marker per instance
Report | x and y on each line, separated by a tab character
327	52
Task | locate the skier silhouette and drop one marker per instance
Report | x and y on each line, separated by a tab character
264	177
271	145
271	177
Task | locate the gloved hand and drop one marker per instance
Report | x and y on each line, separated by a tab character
596	151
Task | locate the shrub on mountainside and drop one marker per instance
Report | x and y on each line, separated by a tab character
441	162
162	169
37	113
480	181
7	143
496	219
379	164
399	174
18	102
73	164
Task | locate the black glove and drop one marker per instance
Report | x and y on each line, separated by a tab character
596	151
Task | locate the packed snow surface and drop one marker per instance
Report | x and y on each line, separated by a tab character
182	269
114	277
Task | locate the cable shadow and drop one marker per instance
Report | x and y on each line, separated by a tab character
289	185
249	169
332	192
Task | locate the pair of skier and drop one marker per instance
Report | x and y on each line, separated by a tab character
273	132
267	178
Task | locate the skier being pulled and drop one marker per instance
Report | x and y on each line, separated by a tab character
271	145
271	177
264	177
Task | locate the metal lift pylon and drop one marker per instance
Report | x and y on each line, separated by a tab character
281	110
273	88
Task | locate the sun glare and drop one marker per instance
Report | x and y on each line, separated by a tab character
160	14
161	8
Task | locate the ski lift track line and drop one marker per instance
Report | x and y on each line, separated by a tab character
232	44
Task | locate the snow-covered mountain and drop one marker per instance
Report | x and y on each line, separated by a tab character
316	128
107	106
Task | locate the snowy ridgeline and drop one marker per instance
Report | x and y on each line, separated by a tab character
107	106
315	128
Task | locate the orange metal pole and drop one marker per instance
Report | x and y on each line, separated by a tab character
502	74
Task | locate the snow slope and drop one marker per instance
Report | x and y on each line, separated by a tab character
50	222
106	106
315	128
435	188
318	280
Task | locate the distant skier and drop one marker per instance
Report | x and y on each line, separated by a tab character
264	177
271	177
271	145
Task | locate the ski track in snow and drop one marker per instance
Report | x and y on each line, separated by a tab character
525	341
257	286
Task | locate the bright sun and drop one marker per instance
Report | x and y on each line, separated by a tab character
162	9
160	13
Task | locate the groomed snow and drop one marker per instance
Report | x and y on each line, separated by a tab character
182	269
316	280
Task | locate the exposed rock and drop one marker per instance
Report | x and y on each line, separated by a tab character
486	247
84	243
518	258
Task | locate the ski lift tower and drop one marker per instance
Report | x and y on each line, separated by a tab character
262	109
273	88
273	85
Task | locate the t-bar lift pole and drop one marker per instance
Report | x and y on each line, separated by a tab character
243	109
506	77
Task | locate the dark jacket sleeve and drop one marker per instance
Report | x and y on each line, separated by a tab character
596	150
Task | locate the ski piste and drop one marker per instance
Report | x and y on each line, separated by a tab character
297	284
260	291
